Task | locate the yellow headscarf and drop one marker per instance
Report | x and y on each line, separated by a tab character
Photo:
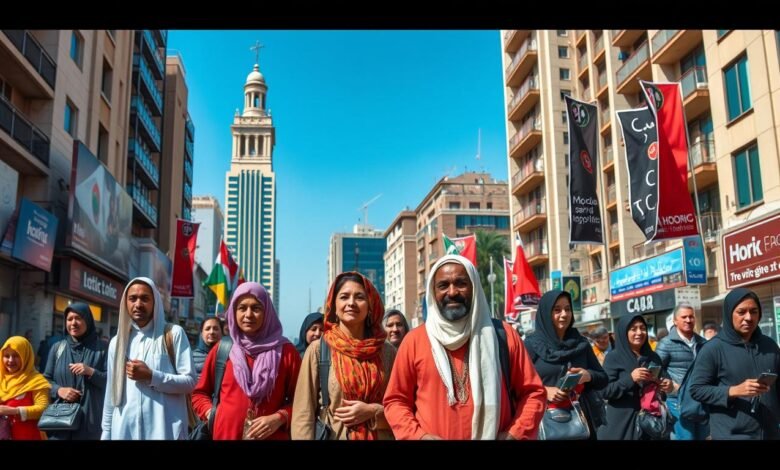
26	378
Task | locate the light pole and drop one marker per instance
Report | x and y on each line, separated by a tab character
492	280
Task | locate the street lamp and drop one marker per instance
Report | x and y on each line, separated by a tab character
492	280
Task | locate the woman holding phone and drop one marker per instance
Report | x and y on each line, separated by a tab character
560	355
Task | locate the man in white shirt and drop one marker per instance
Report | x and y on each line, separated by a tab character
146	396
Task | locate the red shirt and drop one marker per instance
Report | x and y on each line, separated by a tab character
23	430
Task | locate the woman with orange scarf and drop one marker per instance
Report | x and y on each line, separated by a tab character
24	392
360	365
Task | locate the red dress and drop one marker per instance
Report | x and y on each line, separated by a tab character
23	430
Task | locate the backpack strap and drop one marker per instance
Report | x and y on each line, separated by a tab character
223	352
324	371
503	355
169	344
60	349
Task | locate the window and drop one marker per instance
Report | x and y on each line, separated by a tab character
563	52
71	118
105	81
76	48
564	117
747	176
473	205
489	205
102	144
563	33
565	138
565	74
454	205
5	90
737	89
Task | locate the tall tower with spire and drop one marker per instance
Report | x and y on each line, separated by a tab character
250	188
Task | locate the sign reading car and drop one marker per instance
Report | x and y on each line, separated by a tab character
751	254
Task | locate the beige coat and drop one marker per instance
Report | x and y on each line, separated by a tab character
307	400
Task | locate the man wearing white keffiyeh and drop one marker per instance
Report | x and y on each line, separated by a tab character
447	374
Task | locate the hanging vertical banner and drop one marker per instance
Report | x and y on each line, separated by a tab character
526	287
675	215
184	258
641	140
584	213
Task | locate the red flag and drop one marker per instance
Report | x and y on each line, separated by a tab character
184	258
510	314
467	246
675	216
526	288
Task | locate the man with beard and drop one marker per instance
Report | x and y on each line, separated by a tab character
146	390
447	381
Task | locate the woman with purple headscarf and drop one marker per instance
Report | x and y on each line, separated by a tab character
260	373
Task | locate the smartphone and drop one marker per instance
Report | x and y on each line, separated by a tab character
569	381
655	370
767	378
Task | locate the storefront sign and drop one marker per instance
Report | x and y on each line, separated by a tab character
36	232
648	303
90	284
661	272
695	262
691	295
752	253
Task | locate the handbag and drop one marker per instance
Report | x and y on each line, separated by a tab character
322	430
561	424
653	420
61	416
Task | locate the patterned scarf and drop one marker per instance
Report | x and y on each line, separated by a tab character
358	362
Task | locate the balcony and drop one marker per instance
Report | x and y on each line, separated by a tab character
527	137
711	224
149	88
606	121
598	49
188	170
513	38
530	175
526	97
702	157
611	196
144	212
614	235
189	149
24	133
190	128
138	108
582	66
602	83
161	36
522	62
671	45
149	172
579	36
626	37
149	48
531	216
536	252
187	193
642	250
635	68
39	84
608	157
696	93
593	278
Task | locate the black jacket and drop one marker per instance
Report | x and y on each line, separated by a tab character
728	360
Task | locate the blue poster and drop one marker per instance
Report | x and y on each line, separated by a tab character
36	232
663	271
695	262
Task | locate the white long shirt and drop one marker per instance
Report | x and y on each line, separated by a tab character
156	409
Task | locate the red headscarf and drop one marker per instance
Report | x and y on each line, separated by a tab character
358	362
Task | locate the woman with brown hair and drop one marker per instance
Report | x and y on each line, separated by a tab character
359	366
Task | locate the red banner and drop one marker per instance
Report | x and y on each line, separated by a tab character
675	217
526	288
184	258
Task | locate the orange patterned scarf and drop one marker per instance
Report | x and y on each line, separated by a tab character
358	362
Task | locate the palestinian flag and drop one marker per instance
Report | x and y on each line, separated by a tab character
463	246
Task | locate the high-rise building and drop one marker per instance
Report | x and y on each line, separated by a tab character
206	210
729	81
362	251
250	187
456	207
178	145
401	264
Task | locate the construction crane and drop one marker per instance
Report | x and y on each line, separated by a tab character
364	208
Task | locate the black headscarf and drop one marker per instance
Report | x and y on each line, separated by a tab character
544	340
727	331
310	320
623	354
78	346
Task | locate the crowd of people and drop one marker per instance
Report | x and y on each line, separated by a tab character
358	372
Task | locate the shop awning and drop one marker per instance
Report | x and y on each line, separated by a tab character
717	300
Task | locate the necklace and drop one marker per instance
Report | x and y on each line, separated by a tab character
460	381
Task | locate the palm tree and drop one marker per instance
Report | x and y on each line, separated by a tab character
496	245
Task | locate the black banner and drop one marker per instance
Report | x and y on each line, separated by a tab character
584	212
641	138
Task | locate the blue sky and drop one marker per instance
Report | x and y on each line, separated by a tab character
357	114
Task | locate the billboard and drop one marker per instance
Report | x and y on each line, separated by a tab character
752	254
99	213
647	276
36	232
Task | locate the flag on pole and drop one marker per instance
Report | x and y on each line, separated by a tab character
675	216
526	287
463	246
225	277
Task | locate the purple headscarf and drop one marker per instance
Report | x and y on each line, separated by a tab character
265	346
